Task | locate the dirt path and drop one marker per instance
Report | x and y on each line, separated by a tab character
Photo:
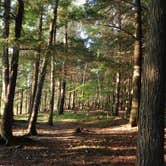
61	145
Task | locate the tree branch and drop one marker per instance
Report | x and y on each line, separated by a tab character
130	3
121	29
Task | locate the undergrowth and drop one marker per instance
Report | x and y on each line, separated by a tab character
81	116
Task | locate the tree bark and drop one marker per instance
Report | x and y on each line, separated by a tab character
33	119
73	100
51	104
61	100
26	101
117	95
32	123
21	101
7	118
5	59
150	143
137	67
45	101
69	101
62	97
36	65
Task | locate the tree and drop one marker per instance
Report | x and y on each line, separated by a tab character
5	60
37	63
62	88
137	67
7	117
62	93
33	119
117	93
52	87
150	143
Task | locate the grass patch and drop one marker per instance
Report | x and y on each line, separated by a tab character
72	115
82	116
23	117
42	117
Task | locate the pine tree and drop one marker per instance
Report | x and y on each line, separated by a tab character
150	144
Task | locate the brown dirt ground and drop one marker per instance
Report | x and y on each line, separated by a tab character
60	145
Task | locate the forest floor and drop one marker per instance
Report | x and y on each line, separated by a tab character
74	143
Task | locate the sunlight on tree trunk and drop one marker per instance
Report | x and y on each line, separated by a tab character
137	67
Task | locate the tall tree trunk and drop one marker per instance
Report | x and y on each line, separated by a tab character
51	104
59	92
7	118
117	94
32	123
69	101
35	80
26	101
61	100
113	104
107	103
33	119
0	100
21	101
98	102
36	65
5	60
73	100
128	99
17	109
137	67
45	102
83	83
150	143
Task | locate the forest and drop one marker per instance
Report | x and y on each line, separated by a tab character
82	82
